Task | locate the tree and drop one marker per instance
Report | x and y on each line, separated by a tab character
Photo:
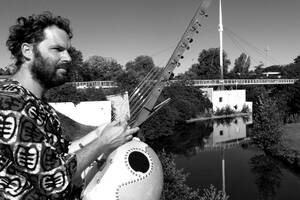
291	70
175	186
297	60
241	66
186	102
135	72
257	72
267	125
76	65
103	69
69	93
8	70
208	66
140	67
288	100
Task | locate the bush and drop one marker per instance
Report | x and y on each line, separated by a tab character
267	126
212	194
245	109
175	187
224	111
186	102
69	93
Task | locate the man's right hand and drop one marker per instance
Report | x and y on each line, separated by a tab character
115	134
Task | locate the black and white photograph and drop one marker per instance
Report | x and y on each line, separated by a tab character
149	100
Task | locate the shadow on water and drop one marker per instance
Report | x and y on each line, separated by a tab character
267	174
248	173
185	140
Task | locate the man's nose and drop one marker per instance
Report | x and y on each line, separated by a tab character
66	57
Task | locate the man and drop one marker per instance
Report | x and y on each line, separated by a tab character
34	158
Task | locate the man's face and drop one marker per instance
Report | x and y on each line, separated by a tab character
49	66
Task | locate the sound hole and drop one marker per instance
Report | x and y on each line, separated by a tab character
138	162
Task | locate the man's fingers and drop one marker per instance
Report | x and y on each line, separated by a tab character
129	137
132	131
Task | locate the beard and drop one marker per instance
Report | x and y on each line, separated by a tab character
48	74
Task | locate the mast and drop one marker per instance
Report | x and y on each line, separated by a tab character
222	77
221	39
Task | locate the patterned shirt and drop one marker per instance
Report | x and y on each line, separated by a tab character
34	159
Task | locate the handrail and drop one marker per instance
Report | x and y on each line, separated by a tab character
196	83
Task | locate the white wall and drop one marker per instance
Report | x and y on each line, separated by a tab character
93	113
229	97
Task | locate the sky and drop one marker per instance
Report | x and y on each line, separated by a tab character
266	30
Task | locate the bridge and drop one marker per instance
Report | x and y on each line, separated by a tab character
196	83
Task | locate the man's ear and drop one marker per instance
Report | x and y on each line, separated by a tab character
27	51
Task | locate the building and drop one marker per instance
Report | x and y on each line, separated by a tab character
235	99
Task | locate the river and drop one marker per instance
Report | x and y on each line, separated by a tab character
245	173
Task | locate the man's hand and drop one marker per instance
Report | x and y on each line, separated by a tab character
115	134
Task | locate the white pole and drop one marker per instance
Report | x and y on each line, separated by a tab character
223	172
221	39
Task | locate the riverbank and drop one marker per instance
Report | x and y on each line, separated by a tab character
289	152
217	117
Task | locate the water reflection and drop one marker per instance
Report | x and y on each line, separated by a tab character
203	147
190	139
228	131
186	139
267	176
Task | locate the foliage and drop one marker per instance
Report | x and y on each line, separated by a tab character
160	124
241	67
140	67
267	126
75	65
186	102
245	109
8	70
224	111
297	60
127	81
252	93
175	187
293	102
102	69
291	70
174	181
69	93
208	66
258	69
135	72
184	139
211	193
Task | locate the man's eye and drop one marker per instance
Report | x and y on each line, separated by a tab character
59	49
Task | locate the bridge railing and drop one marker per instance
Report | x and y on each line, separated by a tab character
95	84
197	83
218	82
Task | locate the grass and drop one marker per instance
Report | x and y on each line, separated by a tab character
291	136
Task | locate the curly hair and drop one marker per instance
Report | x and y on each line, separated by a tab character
31	30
